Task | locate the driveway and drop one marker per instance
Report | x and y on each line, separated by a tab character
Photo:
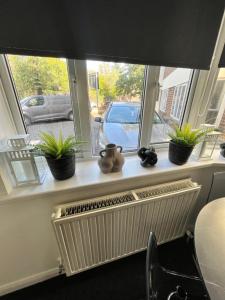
67	128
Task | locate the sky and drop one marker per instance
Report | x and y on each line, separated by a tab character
93	65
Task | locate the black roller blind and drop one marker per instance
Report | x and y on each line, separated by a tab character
222	59
176	33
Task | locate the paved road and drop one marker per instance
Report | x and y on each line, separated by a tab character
67	128
159	132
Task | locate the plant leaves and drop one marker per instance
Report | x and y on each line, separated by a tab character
57	148
188	136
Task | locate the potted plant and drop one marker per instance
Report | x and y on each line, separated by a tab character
59	153
183	141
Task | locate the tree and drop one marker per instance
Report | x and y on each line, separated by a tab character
130	81
108	76
39	75
118	81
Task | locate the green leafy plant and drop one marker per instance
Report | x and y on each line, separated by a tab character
187	136
57	148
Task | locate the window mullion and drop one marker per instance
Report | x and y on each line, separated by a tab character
10	93
201	103
79	91
150	97
74	98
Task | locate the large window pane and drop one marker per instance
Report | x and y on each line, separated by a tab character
43	92
216	111
115	94
170	106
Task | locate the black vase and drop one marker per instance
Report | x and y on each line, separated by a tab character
62	168
179	154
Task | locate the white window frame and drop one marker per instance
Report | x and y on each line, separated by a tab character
10	92
206	83
151	93
221	107
77	72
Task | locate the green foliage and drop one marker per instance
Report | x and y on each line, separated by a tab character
92	94
108	76
118	81
187	136
130	81
57	148
44	75
39	75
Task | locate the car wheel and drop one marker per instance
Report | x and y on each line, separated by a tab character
27	120
70	116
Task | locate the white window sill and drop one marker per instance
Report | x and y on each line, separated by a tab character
89	176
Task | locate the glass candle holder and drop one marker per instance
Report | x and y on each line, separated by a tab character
25	165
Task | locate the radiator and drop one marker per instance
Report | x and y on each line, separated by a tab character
96	231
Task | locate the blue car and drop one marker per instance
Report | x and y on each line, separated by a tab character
120	125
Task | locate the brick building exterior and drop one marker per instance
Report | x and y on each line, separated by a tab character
170	109
168	71
174	84
169	102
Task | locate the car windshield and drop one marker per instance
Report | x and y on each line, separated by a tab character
23	101
124	114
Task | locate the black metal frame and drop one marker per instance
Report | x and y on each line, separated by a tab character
159	278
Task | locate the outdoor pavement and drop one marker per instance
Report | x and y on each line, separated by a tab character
67	128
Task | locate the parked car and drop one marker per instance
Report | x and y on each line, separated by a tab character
46	108
120	125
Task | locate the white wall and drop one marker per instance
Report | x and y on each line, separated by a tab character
28	247
178	76
161	75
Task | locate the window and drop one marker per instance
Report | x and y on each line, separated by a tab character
42	86
216	112
33	101
170	106
116	98
108	102
178	101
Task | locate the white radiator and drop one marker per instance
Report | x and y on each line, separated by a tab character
96	231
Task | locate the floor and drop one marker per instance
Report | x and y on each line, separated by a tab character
120	280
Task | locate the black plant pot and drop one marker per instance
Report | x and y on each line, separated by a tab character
62	168
179	154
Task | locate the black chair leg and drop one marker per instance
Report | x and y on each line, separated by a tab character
179	294
160	281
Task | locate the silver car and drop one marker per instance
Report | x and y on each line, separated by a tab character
46	108
120	125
